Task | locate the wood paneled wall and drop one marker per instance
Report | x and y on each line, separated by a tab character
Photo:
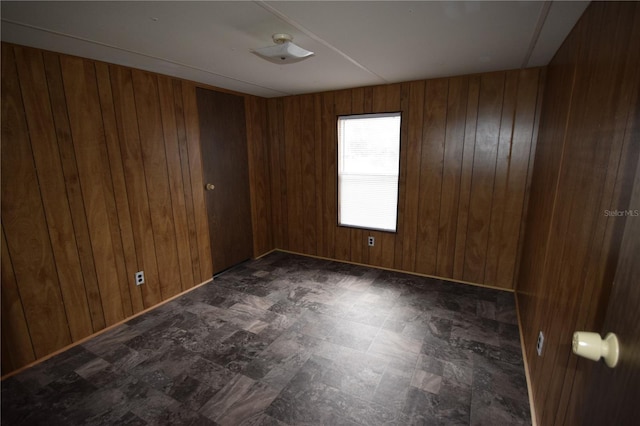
466	144
585	162
101	177
259	174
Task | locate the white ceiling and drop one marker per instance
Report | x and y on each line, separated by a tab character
356	43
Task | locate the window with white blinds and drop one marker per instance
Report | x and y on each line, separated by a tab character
368	166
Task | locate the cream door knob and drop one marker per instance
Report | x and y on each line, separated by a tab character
592	346
210	187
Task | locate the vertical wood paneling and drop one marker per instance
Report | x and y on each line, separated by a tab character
129	159
152	144
456	135
186	179
393	103
584	165
398	252
49	169
119	185
330	167
282	170
431	169
110	200
111	158
274	142
127	121
90	148
357	235
17	349
378	104
483	175
452	168
197	185
501	174
176	185
23	215
367	108
319	183
516	180
258	156
295	190
342	101
74	192
468	153
414	170
307	142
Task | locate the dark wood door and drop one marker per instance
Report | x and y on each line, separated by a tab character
224	158
614	394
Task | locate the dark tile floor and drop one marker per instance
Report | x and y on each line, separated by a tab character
292	340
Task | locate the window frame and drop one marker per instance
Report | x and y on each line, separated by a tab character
337	175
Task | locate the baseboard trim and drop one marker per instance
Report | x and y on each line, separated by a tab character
509	290
532	407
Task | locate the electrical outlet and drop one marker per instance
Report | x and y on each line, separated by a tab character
371	241
540	343
139	277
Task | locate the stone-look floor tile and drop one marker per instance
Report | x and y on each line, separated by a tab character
499	377
353	335
318	403
430	365
104	406
262	420
190	392
458	372
448	351
154	406
287	308
92	367
392	389
366	315
454	401
104	342
288	339
477	330
428	382
395	345
506	307
359	380
55	367
316	325
393	324
509	336
241	399
421	407
486	309
487	408
236	351
209	373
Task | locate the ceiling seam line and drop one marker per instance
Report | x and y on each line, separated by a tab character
317	38
141	54
542	18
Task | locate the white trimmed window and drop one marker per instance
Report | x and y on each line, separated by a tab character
368	168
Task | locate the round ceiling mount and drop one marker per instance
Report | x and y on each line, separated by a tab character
284	51
281	38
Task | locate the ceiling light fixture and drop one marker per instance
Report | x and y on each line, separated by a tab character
284	52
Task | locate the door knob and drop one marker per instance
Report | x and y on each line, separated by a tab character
210	187
593	347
